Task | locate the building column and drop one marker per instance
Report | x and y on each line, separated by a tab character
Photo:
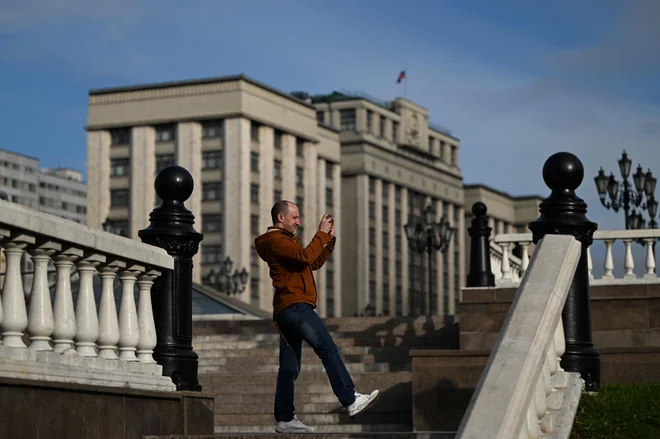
310	155
237	195
451	294
98	178
500	227
189	155
143	172
362	248
389	129
391	230
405	287
462	248
322	274
289	168
361	120
266	160
337	253
440	269
378	219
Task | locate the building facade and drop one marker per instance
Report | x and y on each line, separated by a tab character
59	191
394	163
246	145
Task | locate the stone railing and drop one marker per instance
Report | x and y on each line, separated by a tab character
506	264
524	392
508	273
59	334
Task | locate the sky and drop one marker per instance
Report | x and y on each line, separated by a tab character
514	80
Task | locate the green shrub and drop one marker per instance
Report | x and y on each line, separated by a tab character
619	412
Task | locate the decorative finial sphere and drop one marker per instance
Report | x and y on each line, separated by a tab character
479	209
563	170
174	183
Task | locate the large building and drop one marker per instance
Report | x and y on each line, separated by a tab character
394	163
246	146
57	191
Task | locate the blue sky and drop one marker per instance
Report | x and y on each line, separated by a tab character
515	80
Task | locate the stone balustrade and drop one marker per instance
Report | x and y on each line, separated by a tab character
524	392
65	335
510	269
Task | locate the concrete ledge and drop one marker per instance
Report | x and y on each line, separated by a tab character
41	410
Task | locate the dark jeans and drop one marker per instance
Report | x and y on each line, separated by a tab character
297	323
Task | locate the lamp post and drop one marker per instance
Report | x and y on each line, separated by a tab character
424	234
226	282
639	195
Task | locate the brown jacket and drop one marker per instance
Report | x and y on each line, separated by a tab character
291	265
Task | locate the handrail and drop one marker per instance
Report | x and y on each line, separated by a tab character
512	397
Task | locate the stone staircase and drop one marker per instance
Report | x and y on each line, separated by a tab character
238	361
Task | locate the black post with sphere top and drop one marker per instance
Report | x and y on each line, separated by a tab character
172	229
564	213
480	274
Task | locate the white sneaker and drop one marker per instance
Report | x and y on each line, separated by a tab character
293	426
362	402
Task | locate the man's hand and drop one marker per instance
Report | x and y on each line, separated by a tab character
326	223
332	230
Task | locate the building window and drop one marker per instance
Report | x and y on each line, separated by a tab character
300	174
211	254
254	225
300	202
254	193
165	133
120	167
299	147
254	131
386	191
347	120
117	227
320	116
370	125
277	195
212	223
212	160
382	127
212	129
277	170
454	159
120	136
329	195
119	197
372	185
277	139
254	162
163	161
329	174
395	132
372	210
212	191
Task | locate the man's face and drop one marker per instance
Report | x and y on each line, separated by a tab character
291	221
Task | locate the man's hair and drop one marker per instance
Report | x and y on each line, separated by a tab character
282	207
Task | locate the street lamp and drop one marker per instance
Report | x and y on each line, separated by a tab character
226	282
426	235
629	198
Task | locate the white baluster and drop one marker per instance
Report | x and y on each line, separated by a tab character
560	343
65	317
609	260
147	343
13	299
650	258
532	419
87	320
590	263
108	322
41	322
524	258
506	266
629	263
129	331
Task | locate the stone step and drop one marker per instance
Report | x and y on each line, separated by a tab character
248	361
203	351
265	406
215	382
273	368
397	398
380	431
338	419
247	342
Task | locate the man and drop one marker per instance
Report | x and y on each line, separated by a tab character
291	268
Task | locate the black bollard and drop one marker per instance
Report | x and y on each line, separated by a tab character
564	213
172	229
480	273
